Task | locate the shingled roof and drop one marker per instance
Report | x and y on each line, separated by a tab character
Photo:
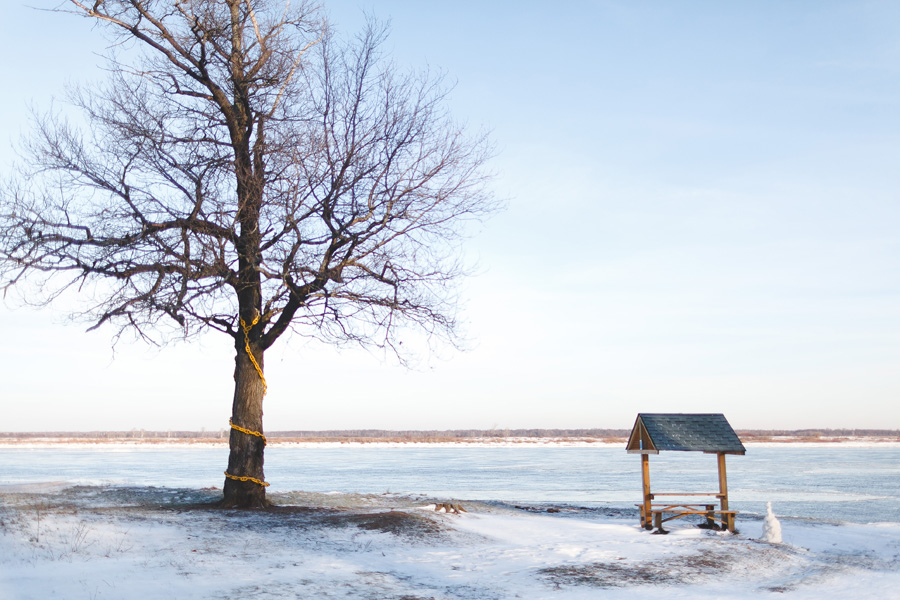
653	432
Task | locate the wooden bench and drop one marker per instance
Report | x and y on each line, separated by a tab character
715	518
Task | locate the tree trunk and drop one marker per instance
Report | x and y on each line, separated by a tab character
246	457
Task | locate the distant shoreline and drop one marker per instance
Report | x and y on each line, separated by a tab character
589	435
419	438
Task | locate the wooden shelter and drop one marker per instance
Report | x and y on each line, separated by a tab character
708	433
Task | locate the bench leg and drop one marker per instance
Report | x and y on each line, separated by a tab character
657	523
711	521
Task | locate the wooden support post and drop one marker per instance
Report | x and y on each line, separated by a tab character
646	522
723	491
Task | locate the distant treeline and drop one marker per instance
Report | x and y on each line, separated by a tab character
456	433
443	435
336	434
750	434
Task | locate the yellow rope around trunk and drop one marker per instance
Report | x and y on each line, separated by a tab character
253	479
248	431
247	329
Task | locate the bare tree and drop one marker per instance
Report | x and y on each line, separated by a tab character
243	169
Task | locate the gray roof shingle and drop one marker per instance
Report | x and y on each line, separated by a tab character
686	433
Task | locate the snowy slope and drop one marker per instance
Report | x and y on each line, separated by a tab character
154	543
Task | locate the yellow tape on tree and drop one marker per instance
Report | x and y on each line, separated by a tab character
248	431
247	329
253	479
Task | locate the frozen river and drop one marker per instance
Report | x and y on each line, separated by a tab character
830	482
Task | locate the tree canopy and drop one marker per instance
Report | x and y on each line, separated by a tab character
245	169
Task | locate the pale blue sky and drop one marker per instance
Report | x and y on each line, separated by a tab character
702	216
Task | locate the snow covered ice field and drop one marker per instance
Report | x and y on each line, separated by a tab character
143	542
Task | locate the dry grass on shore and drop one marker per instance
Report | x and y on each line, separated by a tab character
52	440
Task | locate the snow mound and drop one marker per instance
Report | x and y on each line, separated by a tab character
771	527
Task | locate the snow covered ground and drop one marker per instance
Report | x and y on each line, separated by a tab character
58	541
